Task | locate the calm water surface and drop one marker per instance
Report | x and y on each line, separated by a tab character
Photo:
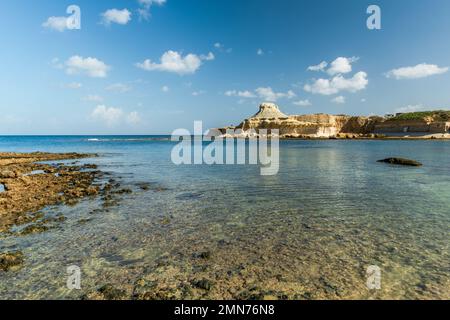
309	232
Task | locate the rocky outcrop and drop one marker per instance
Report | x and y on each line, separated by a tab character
269	110
401	161
270	117
29	185
11	261
425	125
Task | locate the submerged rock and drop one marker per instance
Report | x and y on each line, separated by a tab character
107	292
124	191
33	229
11	261
202	255
111	293
144	185
165	221
203	284
401	161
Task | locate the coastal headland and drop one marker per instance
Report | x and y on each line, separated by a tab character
418	125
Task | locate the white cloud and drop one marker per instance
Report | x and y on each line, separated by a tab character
320	67
91	67
339	100
56	63
356	83
268	94
198	93
144	10
165	89
417	108
118	87
419	71
303	103
411	108
111	116
56	23
116	16
321	86
341	65
93	98
13	120
242	94
174	62
338	83
73	85
209	57
114	116
147	3
133	118
221	47
260	52
265	93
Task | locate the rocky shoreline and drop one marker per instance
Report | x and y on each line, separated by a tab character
30	185
339	136
30	182
352	136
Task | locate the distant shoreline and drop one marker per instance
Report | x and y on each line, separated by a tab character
386	138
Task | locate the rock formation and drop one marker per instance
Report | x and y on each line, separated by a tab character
297	126
401	161
270	117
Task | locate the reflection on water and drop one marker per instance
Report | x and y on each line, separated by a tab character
224	232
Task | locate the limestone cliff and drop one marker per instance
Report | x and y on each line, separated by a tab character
314	125
321	125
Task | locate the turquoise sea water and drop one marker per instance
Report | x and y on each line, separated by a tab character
309	232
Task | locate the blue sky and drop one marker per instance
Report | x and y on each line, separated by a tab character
220	59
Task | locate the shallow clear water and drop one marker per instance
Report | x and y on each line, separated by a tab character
309	232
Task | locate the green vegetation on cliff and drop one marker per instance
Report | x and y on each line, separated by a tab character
438	115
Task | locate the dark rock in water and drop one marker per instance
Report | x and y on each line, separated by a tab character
84	221
401	161
256	293
198	269
202	255
189	196
144	185
145	290
33	229
11	261
124	191
165	221
90	166
111	293
204	284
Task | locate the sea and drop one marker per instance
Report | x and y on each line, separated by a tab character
332	224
